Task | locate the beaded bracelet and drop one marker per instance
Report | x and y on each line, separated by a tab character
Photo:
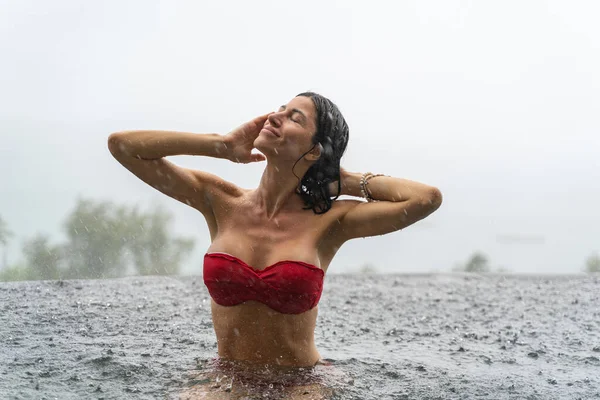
364	179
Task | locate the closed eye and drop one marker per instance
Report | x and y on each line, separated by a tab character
299	119
294	112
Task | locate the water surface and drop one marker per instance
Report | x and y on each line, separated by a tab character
431	336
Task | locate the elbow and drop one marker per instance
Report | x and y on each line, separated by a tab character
116	144
434	198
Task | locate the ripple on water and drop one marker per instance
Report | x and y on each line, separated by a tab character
216	375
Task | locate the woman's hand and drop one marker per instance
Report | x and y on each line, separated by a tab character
240	141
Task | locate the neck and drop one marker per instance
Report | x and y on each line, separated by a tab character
277	190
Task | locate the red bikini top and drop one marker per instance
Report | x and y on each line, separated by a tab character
289	287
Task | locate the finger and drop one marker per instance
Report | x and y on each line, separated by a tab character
258	123
261	119
258	157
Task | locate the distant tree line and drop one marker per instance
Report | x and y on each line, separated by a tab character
592	264
5	234
104	240
478	263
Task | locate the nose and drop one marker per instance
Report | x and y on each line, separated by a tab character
275	119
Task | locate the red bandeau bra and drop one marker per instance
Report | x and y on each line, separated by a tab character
289	287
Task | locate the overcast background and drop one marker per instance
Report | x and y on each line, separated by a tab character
494	102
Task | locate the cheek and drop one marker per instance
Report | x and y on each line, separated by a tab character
297	144
302	138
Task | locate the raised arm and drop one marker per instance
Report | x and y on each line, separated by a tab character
400	203
143	153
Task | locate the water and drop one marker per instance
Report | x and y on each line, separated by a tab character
387	337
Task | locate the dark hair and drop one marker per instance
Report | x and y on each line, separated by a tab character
332	133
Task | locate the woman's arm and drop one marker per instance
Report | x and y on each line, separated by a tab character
401	203
387	188
152	145
236	146
144	154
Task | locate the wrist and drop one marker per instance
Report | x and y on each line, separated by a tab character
223	146
351	184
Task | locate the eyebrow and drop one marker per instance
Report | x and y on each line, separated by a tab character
294	110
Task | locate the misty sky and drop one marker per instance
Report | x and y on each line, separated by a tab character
495	103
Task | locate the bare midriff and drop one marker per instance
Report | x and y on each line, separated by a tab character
253	332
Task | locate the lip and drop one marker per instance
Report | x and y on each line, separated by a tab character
270	129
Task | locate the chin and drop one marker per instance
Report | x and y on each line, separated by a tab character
263	146
258	144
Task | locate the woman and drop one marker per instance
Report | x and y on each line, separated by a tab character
272	245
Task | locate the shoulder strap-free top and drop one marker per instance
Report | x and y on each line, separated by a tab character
289	287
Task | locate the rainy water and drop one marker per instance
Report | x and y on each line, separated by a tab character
432	336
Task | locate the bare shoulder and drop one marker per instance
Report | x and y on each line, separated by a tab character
217	186
219	195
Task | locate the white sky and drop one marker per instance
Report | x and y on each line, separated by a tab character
495	103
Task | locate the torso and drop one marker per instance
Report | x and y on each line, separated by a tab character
252	331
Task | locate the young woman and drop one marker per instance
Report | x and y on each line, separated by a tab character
271	245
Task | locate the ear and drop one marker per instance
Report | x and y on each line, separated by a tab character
315	153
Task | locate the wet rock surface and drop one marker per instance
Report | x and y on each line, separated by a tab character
393	336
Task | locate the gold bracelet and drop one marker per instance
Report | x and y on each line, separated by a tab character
364	190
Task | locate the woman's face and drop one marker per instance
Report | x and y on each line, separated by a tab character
287	133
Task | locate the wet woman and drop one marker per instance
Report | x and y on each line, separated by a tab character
272	245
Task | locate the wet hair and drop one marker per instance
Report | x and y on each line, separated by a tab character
332	134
